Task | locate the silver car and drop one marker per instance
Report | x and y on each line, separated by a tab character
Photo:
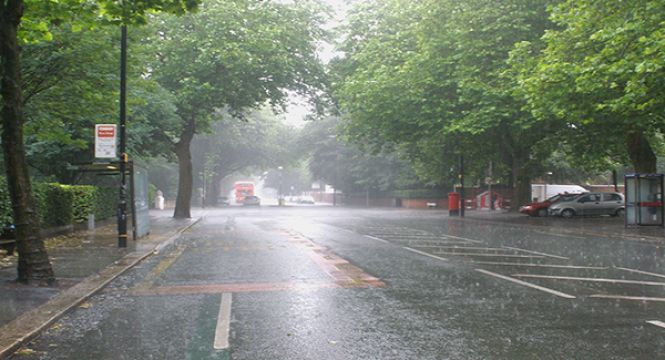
611	203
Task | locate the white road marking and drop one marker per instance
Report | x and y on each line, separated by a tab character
432	246
537	253
463	238
471	248
621	297
491	255
657	323
560	235
539	265
223	323
424	253
377	239
524	283
611	281
641	272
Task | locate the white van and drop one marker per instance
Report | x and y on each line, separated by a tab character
542	192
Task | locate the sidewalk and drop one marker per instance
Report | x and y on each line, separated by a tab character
83	263
609	227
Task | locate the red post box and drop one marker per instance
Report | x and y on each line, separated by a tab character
453	204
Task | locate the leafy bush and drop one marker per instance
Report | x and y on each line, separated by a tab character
84	201
54	204
106	202
59	204
417	193
6	216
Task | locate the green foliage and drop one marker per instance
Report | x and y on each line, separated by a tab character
601	73
417	193
6	215
54	204
431	78
84	202
152	193
60	205
106	202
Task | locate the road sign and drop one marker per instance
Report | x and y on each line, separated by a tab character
105	141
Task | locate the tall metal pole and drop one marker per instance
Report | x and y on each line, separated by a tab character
490	187
122	205
461	181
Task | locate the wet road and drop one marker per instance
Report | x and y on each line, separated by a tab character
335	283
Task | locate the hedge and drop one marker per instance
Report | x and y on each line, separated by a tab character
417	193
59	204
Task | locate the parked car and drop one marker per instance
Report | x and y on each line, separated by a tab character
305	199
251	201
611	203
541	208
223	201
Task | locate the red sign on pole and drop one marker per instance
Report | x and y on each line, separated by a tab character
105	140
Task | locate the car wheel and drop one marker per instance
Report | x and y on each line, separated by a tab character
567	213
542	212
620	212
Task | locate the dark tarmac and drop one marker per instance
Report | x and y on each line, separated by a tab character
340	283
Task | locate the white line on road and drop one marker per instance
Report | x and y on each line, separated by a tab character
463	238
491	255
657	323
424	253
471	248
641	272
223	323
621	297
524	283
539	265
537	253
377	239
560	235
602	280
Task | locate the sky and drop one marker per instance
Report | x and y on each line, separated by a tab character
297	109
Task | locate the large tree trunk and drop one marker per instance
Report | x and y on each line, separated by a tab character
640	152
521	181
185	176
212	193
33	263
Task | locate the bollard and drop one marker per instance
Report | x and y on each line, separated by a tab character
91	221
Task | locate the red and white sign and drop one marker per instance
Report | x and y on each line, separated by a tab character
105	140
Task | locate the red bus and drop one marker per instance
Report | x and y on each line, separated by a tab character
242	189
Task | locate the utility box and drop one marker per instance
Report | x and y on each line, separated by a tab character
644	199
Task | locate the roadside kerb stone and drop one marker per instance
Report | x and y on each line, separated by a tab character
607	233
28	325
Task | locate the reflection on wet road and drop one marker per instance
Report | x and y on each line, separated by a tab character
293	283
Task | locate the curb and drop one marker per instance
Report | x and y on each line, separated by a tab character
564	231
28	325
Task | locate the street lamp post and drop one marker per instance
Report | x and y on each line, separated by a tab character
280	201
122	204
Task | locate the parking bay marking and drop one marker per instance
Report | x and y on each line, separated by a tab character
537	253
622	297
424	253
641	272
527	284
540	265
377	239
657	323
491	255
223	323
603	280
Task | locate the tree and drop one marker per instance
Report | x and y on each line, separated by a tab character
259	142
601	73
33	264
432	77
233	55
